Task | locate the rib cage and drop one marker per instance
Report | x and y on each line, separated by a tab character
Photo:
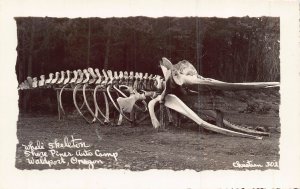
106	82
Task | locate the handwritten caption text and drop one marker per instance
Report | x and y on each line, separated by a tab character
68	151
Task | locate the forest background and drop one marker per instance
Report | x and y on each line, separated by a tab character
244	49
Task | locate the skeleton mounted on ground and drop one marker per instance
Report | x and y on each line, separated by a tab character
138	87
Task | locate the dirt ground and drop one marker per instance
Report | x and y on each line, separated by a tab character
143	147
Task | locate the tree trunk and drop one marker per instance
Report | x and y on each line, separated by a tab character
248	60
232	71
89	42
21	67
107	47
30	60
134	49
29	70
198	47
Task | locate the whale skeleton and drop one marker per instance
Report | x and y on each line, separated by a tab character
134	87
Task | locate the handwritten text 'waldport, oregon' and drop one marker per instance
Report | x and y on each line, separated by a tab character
68	151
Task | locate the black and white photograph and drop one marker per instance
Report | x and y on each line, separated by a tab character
145	93
183	92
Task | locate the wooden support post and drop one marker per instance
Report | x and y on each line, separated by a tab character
178	120
132	117
120	120
162	116
58	107
170	117
219	118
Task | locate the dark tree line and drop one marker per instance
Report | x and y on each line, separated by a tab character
232	49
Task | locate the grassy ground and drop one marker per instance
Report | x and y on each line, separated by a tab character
143	148
176	148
